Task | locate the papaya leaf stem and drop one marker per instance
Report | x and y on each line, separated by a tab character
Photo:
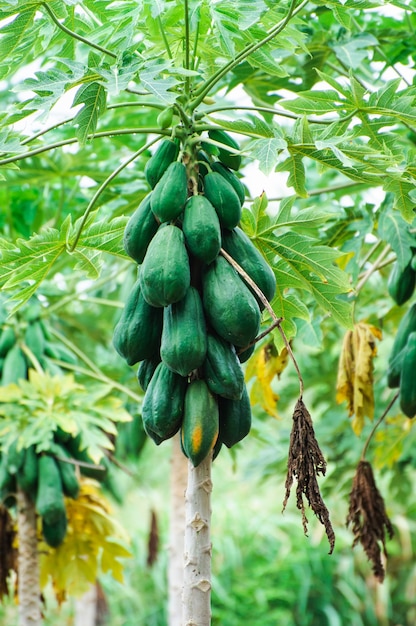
377	424
71	246
110	107
100	377
67	142
73	348
71	33
273	32
165	40
187	46
281	113
77	463
376	266
319	192
32	358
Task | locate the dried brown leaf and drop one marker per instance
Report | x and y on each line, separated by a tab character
153	541
368	517
305	463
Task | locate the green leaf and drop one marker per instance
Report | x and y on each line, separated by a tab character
251	125
267	152
93	97
401	190
25	265
351	52
297	175
14	34
394	230
152	79
316	102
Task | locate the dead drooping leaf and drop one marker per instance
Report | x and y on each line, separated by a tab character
153	541
305	463
264	365
8	551
368	517
355	373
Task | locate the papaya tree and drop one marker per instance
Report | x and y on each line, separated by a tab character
126	153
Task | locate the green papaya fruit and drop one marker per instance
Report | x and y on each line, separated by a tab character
165	117
221	369
55	532
140	230
27	475
7	482
407	396
166	153
406	326
57	350
70	482
169	195
201	228
184	336
14	366
163	404
234	181
138	332
240	247
223	198
234	419
230	159
35	339
15	457
244	355
7	340
50	500
146	370
401	283
395	369
200	426
165	273
229	305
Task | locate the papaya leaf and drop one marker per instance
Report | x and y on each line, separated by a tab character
394	230
160	85
26	264
38	406
93	98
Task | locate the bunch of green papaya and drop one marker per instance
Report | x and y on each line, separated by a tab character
402	362
32	333
46	477
190	319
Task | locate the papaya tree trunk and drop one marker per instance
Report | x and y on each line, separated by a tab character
197	567
179	479
28	564
86	608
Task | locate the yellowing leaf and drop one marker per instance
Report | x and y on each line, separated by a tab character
389	441
94	542
264	365
355	373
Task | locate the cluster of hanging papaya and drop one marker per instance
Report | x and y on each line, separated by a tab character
191	319
47	477
402	360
